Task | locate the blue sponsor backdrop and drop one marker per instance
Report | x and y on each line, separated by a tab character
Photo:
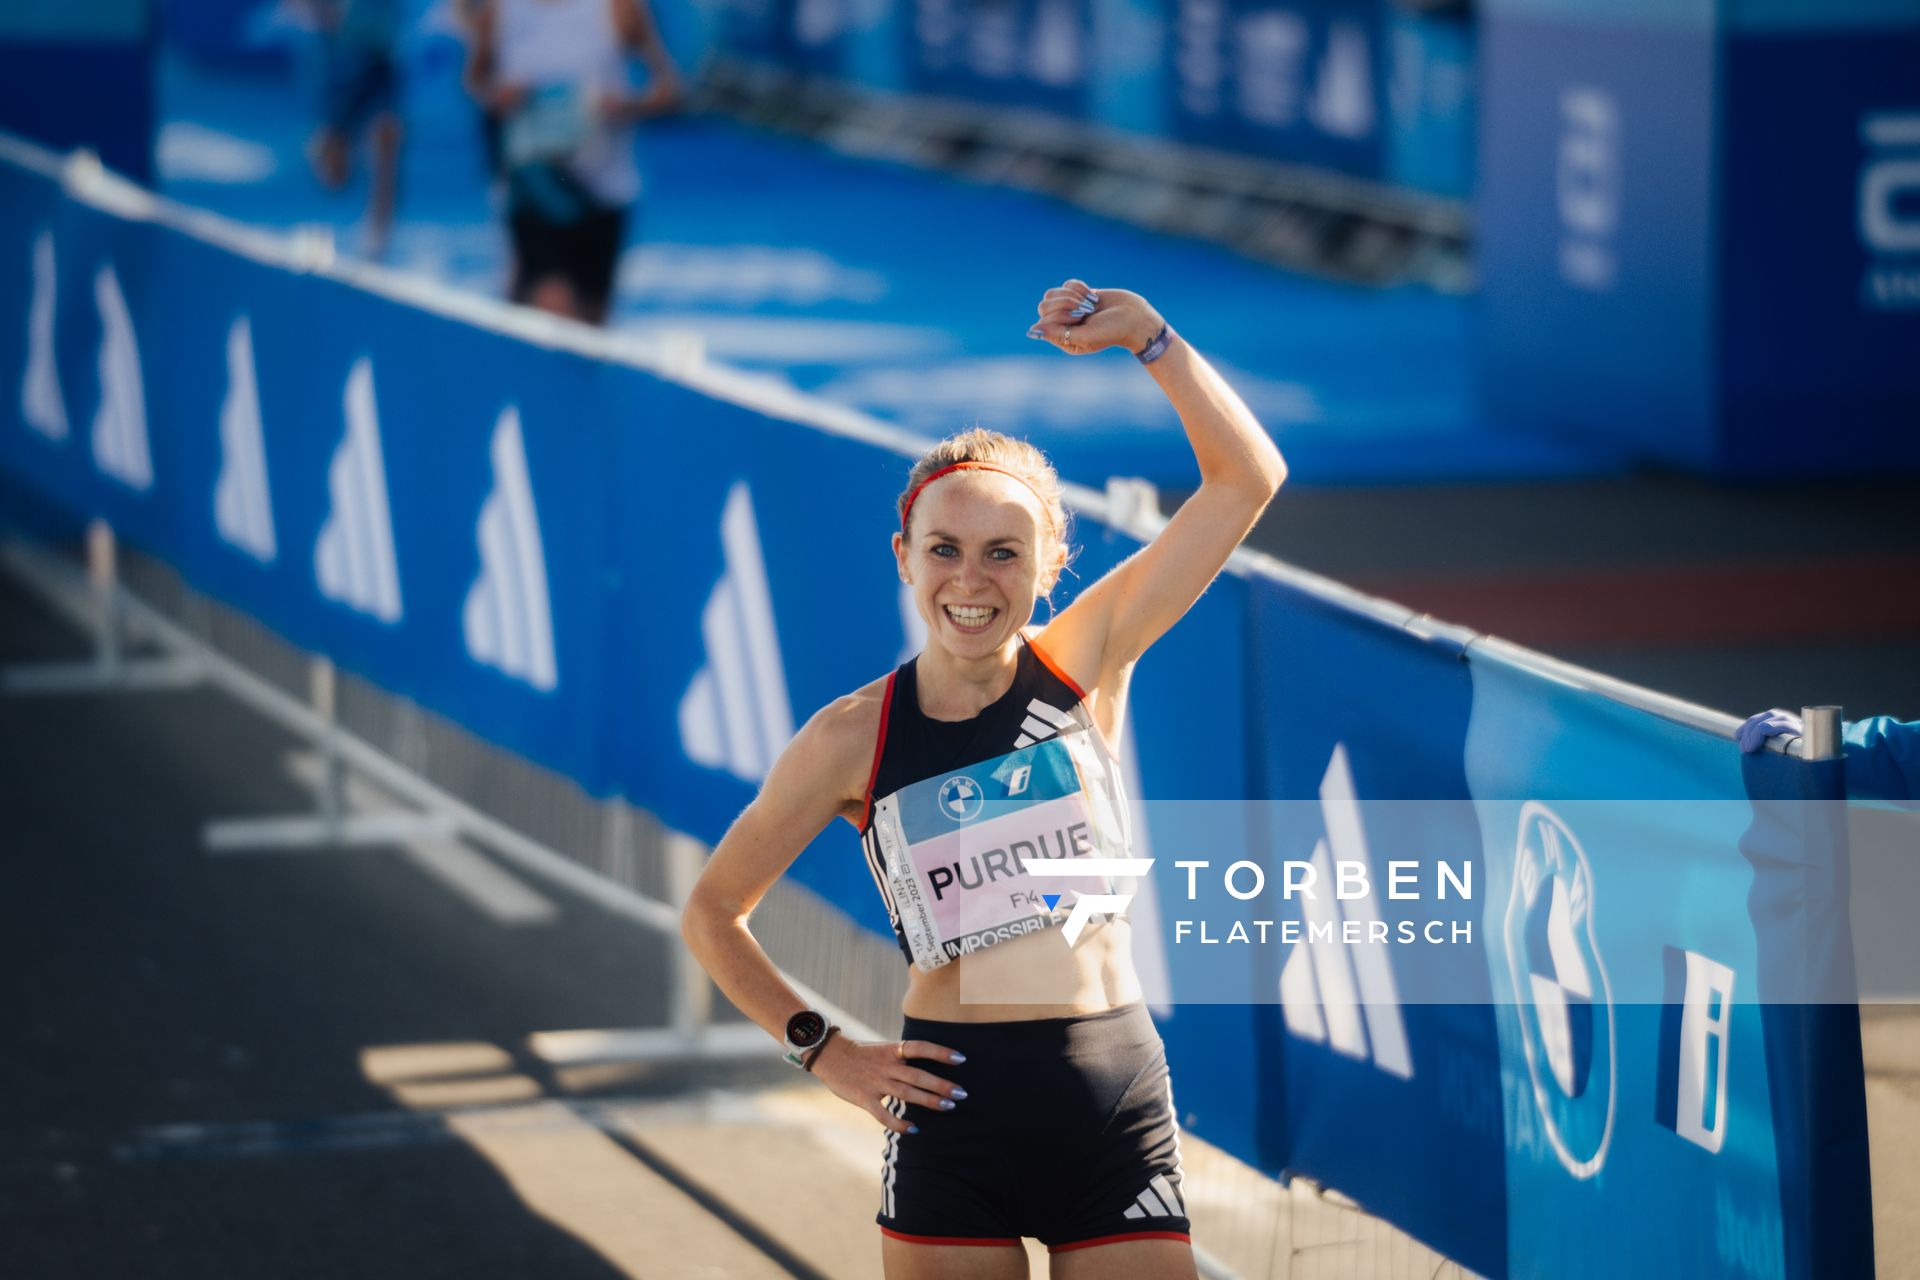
1365	87
646	586
1300	81
1697	235
1028	53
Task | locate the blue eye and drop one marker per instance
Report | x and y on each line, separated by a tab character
945	550
1003	553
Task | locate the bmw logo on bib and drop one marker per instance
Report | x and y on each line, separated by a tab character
1561	994
961	798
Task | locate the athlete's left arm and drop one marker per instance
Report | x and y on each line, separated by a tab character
1115	620
641	35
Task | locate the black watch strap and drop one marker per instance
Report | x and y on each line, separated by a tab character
814	1055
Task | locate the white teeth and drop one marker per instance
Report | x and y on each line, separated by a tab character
969	617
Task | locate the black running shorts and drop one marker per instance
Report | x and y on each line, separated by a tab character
1067	1134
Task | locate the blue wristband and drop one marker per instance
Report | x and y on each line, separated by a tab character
1158	347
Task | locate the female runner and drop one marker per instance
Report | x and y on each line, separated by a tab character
1050	1114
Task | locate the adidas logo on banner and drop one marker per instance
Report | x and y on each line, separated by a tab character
120	425
1337	994
508	618
41	403
242	502
735	715
353	561
1342	103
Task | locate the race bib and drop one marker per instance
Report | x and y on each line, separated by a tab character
953	846
550	127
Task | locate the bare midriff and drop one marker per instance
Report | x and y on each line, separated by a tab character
1032	977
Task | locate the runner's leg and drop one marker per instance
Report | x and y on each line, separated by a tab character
906	1261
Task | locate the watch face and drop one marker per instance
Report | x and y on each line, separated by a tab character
805	1028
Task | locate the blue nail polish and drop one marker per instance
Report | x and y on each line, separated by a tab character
948	1104
961	1057
913	1128
959	1095
1036	332
1092	296
1081	312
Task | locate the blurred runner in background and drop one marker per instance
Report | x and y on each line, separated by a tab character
468	15
557	74
359	93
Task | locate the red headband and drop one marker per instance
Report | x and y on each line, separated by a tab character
914	494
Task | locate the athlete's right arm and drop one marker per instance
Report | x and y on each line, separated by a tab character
821	774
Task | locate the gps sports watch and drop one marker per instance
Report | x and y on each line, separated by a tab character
806	1031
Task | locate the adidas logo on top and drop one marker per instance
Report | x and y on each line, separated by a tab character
1044	720
353	561
41	403
1331	993
736	715
242	500
120	425
508	618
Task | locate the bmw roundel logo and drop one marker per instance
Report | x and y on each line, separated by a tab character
961	798
1561	993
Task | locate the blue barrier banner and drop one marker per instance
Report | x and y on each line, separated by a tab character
1396	1101
1687	1115
275	442
735	596
824	37
1030	53
1303	81
1430	96
1365	87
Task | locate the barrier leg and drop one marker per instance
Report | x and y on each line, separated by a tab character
690	1033
109	670
334	823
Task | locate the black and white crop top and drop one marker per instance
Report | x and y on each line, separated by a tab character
954	807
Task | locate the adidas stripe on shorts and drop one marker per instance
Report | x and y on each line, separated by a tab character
1067	1135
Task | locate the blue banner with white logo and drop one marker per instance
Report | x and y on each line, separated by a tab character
1029	53
1381	1062
1365	87
1698	233
1691	1116
1296	80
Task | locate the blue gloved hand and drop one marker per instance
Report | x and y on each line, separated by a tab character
1754	733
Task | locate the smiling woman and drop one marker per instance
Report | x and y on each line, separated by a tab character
987	752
